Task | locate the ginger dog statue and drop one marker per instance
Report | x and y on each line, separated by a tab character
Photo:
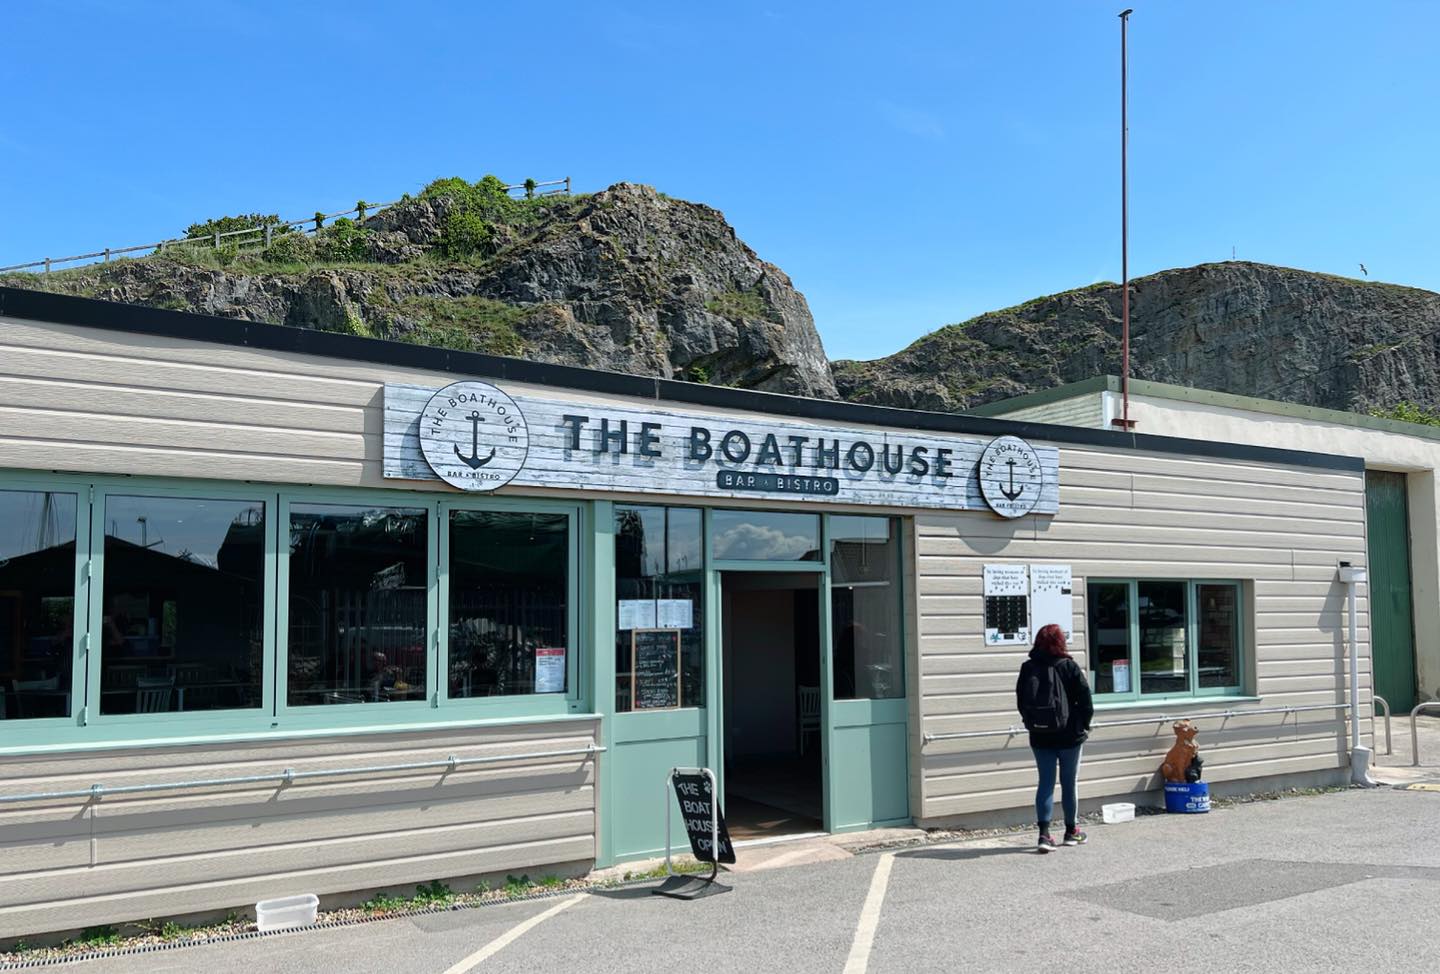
1183	762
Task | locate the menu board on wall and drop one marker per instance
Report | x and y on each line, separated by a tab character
655	663
1007	605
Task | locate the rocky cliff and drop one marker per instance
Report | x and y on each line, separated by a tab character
626	279
631	280
1251	329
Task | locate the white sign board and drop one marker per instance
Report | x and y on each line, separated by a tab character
660	449
1052	598
1007	611
1010	473
473	436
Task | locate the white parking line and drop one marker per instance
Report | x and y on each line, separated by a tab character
510	936
859	958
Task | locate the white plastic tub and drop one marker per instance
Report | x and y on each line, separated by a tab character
1118	812
287	911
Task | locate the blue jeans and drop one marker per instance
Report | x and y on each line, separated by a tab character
1046	759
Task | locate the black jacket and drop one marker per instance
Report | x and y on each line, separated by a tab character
1077	690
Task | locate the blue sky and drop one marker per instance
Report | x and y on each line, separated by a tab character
908	165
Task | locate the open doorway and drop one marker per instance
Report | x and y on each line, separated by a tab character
774	777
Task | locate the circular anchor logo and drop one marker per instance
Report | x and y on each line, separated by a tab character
474	436
1010	476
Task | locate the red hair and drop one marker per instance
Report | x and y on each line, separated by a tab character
1051	639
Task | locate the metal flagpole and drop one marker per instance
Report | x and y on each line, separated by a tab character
1125	422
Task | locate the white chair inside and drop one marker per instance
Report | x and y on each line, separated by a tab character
808	713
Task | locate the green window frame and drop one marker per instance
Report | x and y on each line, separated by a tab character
161	724
526	704
18	729
1194	690
87	727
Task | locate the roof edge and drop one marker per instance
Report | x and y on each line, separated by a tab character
184	325
1043	397
1206	397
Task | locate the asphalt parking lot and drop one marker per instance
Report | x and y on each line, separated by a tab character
1340	881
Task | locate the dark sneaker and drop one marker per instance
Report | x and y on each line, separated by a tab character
1075	837
1045	845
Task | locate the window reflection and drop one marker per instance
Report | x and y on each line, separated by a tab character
1217	607
659	570
509	603
865	608
765	536
1109	636
182	624
37	603
1164	638
358	604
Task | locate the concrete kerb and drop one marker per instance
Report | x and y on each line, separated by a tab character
853	844
149	948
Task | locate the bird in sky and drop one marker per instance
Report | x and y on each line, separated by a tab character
1364	271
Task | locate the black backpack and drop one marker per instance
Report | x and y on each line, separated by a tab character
1044	701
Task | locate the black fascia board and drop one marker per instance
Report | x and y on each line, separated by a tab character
67	309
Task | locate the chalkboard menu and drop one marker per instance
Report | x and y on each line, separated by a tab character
693	792
655	663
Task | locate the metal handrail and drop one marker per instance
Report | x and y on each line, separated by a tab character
214	239
287	776
1385	705
1415	731
1015	729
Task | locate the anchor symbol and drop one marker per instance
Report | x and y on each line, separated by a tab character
1013	492
473	461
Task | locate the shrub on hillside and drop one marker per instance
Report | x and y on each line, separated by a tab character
291	248
343	242
228	224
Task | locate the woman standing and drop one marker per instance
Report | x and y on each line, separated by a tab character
1053	698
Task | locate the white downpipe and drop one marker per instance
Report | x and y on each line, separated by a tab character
1360	756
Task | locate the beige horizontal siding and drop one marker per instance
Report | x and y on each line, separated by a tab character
1086	410
73	863
1279	530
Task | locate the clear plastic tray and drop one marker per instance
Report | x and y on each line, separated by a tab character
287	911
1118	812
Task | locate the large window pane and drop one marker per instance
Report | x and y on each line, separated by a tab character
509	603
358	616
1109	636
1217	607
659	570
865	608
1164	638
37	603
765	536
183	605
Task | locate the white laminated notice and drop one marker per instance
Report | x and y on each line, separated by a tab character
1007	605
549	669
635	614
1052	590
1120	676
675	614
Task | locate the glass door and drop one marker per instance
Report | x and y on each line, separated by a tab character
866	715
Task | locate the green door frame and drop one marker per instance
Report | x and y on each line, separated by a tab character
700	731
714	661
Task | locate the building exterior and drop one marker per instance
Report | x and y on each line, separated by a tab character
1401	460
257	641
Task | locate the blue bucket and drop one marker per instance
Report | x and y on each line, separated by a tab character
1187	797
